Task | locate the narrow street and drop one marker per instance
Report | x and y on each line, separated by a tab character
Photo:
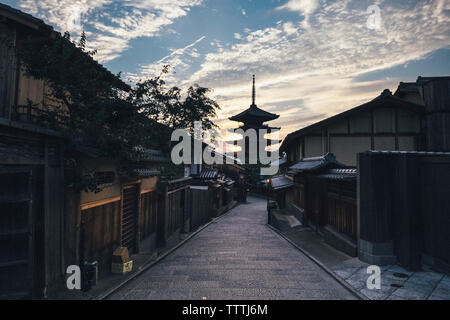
238	257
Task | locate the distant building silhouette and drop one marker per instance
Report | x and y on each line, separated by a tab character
254	118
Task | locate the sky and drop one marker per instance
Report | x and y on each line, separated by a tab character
312	58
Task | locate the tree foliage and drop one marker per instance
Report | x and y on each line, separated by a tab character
165	105
90	105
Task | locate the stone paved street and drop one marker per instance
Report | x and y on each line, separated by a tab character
237	257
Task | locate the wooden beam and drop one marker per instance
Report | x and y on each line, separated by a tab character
144	191
179	189
99	203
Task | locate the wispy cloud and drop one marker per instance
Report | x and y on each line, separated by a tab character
112	23
176	60
320	64
307	65
304	7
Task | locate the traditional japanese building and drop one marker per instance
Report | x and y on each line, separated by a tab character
255	118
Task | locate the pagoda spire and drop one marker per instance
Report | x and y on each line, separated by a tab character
254	92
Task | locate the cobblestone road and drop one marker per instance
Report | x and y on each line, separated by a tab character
237	257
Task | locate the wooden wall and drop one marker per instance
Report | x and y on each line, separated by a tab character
341	207
437	100
327	202
404	200
379	129
101	233
7	70
22	148
435	208
148	213
16	89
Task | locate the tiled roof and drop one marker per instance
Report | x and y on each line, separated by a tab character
155	156
209	174
145	172
254	112
279	162
340	174
280	182
21	14
316	163
420	153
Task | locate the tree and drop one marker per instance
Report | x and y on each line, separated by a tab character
165	105
90	105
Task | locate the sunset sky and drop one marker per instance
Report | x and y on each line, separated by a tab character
312	58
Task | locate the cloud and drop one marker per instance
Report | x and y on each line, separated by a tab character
320	65
176	60
112	23
307	66
304	7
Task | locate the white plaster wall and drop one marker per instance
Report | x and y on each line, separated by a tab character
346	148
360	123
384	120
406	144
408	121
339	127
385	143
313	147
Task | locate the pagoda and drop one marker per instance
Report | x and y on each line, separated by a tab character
254	118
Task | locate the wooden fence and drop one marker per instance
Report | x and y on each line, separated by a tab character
342	212
405	201
201	206
327	202
176	210
148	213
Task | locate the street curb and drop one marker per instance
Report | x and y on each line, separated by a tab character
352	290
147	266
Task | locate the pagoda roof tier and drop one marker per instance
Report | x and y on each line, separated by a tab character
254	114
258	126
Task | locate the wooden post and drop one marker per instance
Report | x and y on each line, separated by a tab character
376	172
437	101
138	221
406	212
162	215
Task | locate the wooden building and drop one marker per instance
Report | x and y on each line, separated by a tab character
325	198
46	224
31	209
388	122
280	190
403	196
403	215
123	213
384	206
31	173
